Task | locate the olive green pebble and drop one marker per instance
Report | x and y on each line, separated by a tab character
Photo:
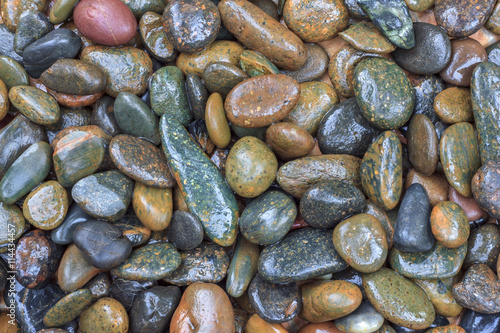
12	219
255	64
12	73
35	104
68	308
215	118
106	315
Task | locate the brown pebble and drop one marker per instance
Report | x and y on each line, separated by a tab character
435	185
469	205
289	141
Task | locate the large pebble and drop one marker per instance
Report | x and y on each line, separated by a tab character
422	144
454	105
106	315
35	104
32	26
449	224
46	206
221	77
486	187
436	185
7	44
217	125
364	319
74	270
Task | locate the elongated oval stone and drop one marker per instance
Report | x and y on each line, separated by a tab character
260	32
35	104
12	73
381	171
127	68
289	141
398	299
68	308
217	213
217	125
485	107
303	254
29	170
242	268
61	10
459	154
422	145
46	206
154	37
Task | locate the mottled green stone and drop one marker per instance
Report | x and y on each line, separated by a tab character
440	294
381	171
398	299
168	94
149	263
140	7
204	189
11	219
383	92
221	77
32	26
255	64
303	254
35	104
243	267
29	170
12	73
459	154
438	263
68	308
365	37
61	10
485	105
154	38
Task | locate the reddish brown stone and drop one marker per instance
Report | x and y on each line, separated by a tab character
469	205
289	140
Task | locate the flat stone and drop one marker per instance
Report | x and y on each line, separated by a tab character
439	292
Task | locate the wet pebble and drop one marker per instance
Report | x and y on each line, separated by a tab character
422	145
46	206
315	65
32	26
364	319
68	308
74	270
483	246
35	104
486	187
221	77
153	206
107	315
454	105
449	224
367	38
154	37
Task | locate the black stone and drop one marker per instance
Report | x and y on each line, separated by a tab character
344	130
7	44
199	132
31	27
132	228
57	44
184	231
125	291
483	246
425	89
104	117
3	273
275	303
102	243
153	308
412	232
476	322
63	234
99	286
431	53
438	322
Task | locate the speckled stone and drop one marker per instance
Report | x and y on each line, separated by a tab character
36	259
364	319
217	125
127	68
303	254
328	300
46	206
243	267
104	195
289	140
316	65
449	224
268	218
7	44
255	64
483	246
462	18
366	38
68	308
296	176
35	104
486	187
106	315
459	154
426	89
439	292
197	95
154	38
205	263
454	105
383	92
466	54
32	26
479	290
11	217
398	299
222	77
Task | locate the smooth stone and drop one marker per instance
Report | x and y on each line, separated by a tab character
289	140
426	88
184	231
486	186
218	51
154	38
381	171
422	145
61	10
255	64
127	68
459	154
268	218
328	300
242	268
35	104
133	229
31	27
454	105
478	290
462	18
217	126
351	275
57	44
141	161
199	132
486	110
208	306
316	65
153	308
296	176
222	77
149	263
46	207
327	203
257	324
12	9
104	195
27	171
103	116
365	37
110	23
68	308
393	19
106	315
438	263
372	209
140	7
413	232
197	95
362	242
69	117
493	52
261	33
483	246
126	291
74	77
344	130
37	258
439	292
476	322
431	53
436	185
466	55
419	5
251	167
12	219
315	100
99	286
317	21
153	206
449	224
303	254
4	100
398	299
71	151
74	270
383	93
7	44
364	319
493	23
